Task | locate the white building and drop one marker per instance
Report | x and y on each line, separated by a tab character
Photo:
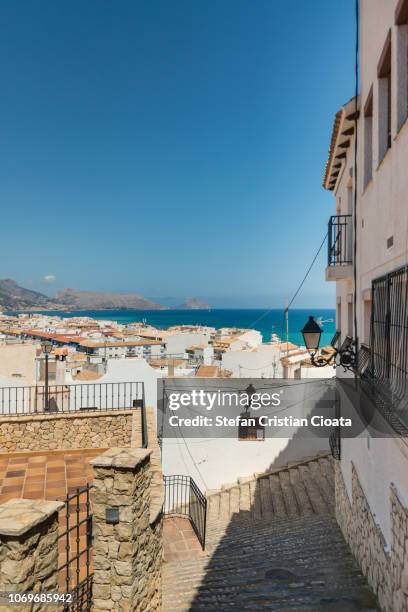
177	342
109	349
202	353
371	478
264	361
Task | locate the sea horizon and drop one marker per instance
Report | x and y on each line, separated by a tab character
266	321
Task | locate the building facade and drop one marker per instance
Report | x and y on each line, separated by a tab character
368	260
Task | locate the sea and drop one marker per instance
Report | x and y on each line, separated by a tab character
268	322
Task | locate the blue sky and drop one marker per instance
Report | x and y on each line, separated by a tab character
170	148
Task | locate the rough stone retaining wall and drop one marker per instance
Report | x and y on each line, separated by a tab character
386	572
69	430
28	550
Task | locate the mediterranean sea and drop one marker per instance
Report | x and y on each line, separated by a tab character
268	322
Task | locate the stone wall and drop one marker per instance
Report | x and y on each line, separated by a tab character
28	549
69	430
128	552
386	571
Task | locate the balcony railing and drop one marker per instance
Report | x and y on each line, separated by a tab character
340	243
34	399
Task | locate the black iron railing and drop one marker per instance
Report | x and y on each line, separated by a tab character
389	326
335	340
385	378
75	566
335	443
339	240
335	434
182	497
67	398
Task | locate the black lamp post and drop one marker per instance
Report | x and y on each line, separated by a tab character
312	333
250	391
46	346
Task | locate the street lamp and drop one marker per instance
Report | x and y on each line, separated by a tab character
312	333
250	391
46	346
347	354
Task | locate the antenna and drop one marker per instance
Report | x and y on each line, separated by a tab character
287	327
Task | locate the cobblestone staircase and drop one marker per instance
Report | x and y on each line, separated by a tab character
301	488
272	543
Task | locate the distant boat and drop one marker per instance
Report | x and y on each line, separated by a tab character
322	321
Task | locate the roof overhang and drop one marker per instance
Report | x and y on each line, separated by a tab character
341	139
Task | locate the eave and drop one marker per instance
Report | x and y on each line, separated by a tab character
343	130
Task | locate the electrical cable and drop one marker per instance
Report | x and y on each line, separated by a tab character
307	272
357	50
298	382
300	286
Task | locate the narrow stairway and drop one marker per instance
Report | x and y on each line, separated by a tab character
301	488
272	543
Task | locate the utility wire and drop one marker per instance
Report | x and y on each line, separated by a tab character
357	48
299	288
307	272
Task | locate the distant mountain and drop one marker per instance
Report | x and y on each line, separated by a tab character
193	304
95	300
14	297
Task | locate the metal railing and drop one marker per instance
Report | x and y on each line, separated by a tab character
75	566
183	497
385	377
339	240
335	443
66	398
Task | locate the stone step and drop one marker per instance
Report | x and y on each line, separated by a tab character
301	492
244	497
316	498
225	504
291	504
302	487
277	497
213	508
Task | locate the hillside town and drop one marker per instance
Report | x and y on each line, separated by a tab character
82	348
198	467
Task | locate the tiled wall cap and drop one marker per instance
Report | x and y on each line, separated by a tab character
121	457
17	516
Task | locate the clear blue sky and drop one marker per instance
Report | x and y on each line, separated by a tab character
171	148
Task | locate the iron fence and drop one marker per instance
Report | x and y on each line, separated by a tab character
182	497
75	567
385	378
339	243
335	443
65	398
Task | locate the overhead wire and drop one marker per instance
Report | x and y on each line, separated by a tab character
356	115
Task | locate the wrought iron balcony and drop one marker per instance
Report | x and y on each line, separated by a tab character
340	247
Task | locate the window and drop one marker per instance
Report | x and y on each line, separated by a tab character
250	429
384	100
401	20
389	329
368	139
